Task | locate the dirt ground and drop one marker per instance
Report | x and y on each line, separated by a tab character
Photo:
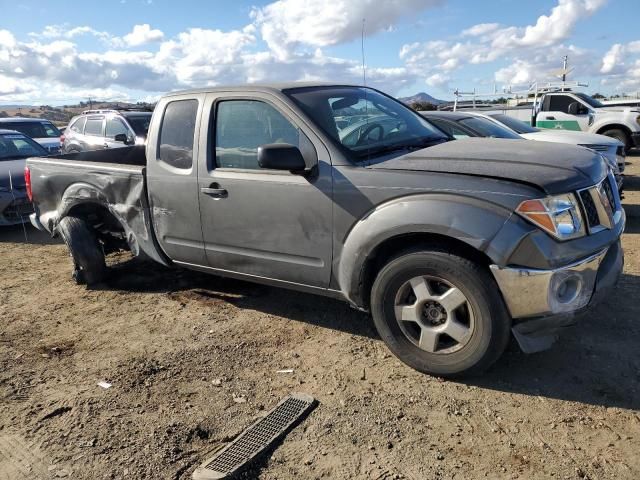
193	360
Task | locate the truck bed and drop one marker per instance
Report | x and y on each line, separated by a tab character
113	179
134	156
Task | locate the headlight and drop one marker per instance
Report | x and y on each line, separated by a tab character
558	215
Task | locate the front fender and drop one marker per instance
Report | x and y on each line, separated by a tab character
470	220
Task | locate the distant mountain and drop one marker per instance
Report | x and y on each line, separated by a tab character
422	98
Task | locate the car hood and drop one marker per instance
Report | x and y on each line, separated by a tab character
617	108
571	137
15	168
552	167
49	143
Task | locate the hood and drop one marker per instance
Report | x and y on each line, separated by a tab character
572	137
16	168
617	108
552	167
51	144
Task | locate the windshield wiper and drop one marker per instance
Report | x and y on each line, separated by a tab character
422	143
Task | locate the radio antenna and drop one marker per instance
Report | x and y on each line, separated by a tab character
364	68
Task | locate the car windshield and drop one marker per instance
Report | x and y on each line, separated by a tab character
486	128
365	122
589	100
15	146
33	129
139	123
514	124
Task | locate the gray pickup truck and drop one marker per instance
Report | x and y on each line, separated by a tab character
343	191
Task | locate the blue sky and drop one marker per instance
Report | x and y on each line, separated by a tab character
137	49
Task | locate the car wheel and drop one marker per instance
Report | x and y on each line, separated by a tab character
619	135
88	257
440	313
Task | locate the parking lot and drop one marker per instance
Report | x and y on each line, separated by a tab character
194	359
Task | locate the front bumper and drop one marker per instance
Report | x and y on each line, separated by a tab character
543	302
635	139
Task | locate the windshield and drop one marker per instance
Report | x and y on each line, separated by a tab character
14	146
139	123
589	100
487	128
33	129
363	121
514	124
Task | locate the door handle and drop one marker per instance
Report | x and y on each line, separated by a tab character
105	145
551	118
215	191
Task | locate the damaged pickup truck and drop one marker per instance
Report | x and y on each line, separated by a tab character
344	191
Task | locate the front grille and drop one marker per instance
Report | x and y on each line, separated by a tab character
601	204
589	208
608	190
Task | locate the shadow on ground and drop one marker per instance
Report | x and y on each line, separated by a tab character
594	362
187	286
26	234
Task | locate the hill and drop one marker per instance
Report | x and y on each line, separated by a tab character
62	115
421	97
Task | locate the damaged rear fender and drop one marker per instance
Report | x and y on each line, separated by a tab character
129	208
469	220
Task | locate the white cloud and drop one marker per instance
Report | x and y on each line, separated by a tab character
531	51
64	31
622	66
438	80
480	29
286	24
142	34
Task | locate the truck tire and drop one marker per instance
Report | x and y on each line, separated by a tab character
619	135
88	258
440	313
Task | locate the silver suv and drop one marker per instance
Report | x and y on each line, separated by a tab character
100	129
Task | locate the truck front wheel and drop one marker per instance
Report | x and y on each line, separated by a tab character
440	313
619	135
88	257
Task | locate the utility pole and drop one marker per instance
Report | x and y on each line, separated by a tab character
565	60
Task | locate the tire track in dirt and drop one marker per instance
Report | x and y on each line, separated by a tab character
20	460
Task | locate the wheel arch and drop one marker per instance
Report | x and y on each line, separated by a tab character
462	224
615	126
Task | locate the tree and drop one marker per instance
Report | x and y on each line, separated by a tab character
598	95
3	114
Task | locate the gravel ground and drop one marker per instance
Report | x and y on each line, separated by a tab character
193	360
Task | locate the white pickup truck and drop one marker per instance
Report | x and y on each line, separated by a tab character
568	110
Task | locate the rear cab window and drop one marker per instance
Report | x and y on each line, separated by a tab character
176	136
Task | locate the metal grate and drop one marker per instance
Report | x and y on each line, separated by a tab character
256	439
590	209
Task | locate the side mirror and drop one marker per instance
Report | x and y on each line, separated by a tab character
281	156
122	137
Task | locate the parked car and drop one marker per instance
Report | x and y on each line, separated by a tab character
100	129
41	130
609	147
15	147
562	108
464	124
449	244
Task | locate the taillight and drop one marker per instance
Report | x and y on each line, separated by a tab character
61	140
27	183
